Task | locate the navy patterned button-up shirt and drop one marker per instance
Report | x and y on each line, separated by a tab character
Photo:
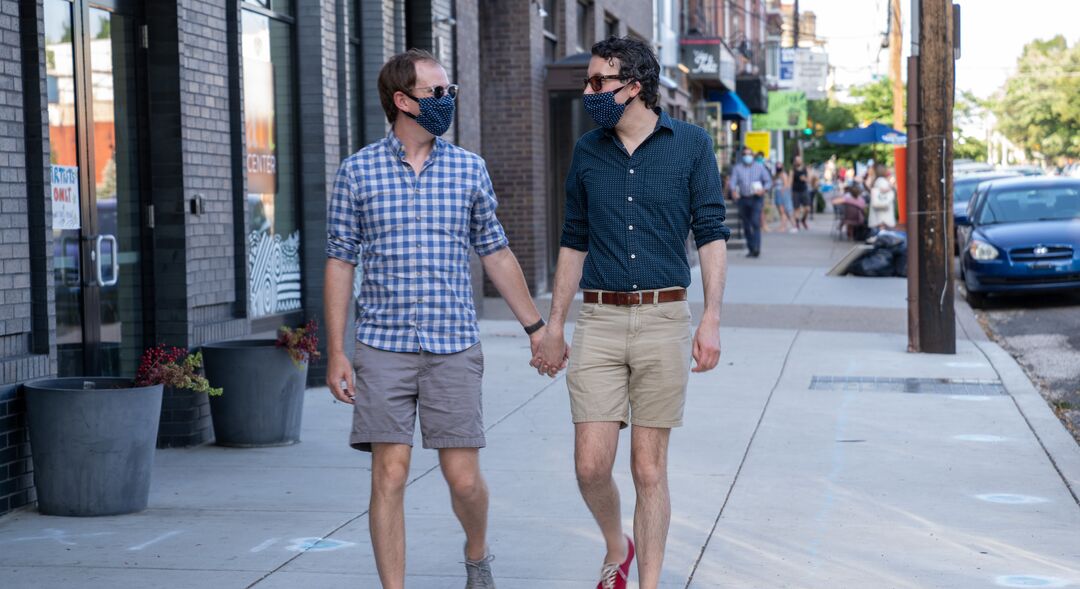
414	233
633	213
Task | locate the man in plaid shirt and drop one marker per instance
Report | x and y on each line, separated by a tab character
410	207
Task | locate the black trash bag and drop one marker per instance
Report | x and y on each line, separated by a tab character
890	241
877	262
900	263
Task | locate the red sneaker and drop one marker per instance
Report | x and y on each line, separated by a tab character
614	575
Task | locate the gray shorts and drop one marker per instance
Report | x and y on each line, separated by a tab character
390	386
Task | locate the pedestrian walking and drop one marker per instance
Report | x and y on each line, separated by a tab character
748	183
635	189
759	157
782	197
800	192
411	206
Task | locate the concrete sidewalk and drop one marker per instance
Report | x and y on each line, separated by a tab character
819	454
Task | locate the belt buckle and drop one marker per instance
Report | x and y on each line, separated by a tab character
629	298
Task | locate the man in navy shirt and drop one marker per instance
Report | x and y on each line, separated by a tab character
636	188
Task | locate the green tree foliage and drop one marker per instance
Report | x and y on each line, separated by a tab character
871	102
1039	106
967	110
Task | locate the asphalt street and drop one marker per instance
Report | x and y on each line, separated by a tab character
1043	333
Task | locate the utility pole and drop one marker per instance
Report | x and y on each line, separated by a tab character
930	108
795	38
896	40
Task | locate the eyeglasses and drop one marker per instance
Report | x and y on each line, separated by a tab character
439	91
597	82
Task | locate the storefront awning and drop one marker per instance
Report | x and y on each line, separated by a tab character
733	108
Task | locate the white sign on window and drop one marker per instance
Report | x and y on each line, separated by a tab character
65	197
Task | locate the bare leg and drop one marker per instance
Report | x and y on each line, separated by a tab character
594	456
468	495
386	518
652	515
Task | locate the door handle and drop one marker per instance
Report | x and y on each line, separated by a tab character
115	260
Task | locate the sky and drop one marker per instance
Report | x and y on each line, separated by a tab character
993	34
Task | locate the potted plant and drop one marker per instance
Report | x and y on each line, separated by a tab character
185	407
263	382
93	444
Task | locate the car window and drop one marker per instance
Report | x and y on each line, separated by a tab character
1021	205
962	190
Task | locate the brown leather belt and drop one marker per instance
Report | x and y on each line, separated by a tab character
627	299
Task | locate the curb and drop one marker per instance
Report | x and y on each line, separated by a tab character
1059	445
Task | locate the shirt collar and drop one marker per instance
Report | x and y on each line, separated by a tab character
664	121
395	146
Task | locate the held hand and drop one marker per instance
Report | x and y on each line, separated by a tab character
552	353
339	371
706	346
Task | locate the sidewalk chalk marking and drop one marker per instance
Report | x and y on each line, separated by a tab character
980	438
164	536
1011	499
1030	581
61	536
318	545
265	545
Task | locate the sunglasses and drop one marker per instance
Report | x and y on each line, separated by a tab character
439	91
597	82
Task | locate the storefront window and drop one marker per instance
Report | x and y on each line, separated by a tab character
273	230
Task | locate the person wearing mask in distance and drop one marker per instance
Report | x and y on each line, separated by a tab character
412	206
636	187
749	182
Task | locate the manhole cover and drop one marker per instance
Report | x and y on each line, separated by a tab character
925	386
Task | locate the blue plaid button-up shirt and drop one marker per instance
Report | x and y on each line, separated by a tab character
413	234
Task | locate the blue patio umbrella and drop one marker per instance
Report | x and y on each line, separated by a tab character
873	133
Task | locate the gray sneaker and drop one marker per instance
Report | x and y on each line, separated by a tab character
479	572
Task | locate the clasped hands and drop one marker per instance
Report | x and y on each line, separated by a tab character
550	352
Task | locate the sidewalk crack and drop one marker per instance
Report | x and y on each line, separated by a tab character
742	462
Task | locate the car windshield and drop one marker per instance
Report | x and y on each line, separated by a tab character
962	190
1022	205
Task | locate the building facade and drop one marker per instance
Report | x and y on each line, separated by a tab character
164	170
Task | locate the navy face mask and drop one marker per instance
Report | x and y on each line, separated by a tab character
436	114
603	109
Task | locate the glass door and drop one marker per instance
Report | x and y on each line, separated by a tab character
95	104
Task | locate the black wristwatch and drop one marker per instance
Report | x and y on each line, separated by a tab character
535	327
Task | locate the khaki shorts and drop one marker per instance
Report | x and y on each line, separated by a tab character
630	364
392	386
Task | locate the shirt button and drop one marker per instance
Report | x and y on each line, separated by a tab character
634	286
419	246
633	256
418	217
631	170
630	198
631	228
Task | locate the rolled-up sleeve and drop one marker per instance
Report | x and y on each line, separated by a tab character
486	234
575	234
342	219
707	197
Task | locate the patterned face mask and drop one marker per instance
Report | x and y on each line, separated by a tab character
604	110
436	114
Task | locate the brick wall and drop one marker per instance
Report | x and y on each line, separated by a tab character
320	123
513	102
27	321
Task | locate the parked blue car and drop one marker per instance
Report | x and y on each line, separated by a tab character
1024	236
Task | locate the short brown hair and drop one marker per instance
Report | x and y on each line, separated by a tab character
399	75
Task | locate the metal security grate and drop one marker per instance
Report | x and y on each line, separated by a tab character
925	386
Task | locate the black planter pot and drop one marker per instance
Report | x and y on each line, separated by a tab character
92	441
263	399
185	419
